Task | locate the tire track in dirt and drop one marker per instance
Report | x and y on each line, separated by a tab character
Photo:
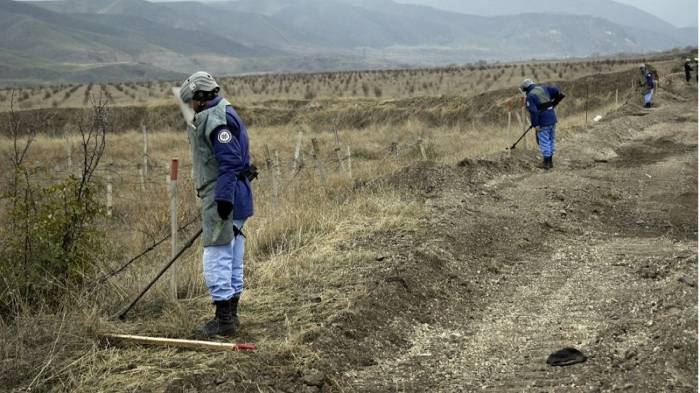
600	254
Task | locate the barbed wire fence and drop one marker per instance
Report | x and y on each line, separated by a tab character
134	183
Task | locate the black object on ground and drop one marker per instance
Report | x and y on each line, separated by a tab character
566	357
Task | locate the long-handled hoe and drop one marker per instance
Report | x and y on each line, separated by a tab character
169	342
519	139
188	244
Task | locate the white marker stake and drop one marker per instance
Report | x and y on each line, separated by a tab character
173	222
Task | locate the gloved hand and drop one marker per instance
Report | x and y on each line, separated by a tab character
558	99
224	208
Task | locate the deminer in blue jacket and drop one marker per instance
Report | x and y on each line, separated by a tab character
646	82
221	171
688	68
540	101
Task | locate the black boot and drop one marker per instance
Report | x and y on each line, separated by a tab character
549	163
223	322
544	164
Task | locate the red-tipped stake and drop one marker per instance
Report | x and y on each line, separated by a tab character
179	343
245	347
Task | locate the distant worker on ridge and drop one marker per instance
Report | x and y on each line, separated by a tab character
540	101
688	68
646	82
221	173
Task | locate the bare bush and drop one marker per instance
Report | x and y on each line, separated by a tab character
50	231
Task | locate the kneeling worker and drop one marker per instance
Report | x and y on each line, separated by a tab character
221	175
540	101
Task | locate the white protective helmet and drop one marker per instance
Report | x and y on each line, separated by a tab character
526	84
200	81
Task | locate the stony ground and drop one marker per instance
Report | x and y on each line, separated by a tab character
515	263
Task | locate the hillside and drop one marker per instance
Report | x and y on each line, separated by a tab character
309	35
81	47
622	14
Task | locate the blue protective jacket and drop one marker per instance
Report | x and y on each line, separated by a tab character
538	97
650	79
230	144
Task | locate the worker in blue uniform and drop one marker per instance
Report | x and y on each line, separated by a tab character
541	102
688	68
222	172
647	85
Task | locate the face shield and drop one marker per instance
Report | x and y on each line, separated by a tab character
200	81
187	91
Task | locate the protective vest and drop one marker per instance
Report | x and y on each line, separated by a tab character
205	169
647	82
543	97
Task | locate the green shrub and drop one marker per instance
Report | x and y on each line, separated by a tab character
51	241
49	236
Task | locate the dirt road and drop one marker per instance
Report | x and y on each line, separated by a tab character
515	263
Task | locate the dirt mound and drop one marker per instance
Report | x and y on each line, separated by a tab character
427	179
519	263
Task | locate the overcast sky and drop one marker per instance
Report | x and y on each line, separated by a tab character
679	12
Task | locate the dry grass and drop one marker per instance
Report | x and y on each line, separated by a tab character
300	246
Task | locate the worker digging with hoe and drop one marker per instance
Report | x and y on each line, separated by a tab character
647	84
221	173
541	102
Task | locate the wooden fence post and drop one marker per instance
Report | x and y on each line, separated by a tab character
510	115
271	171
278	170
526	145
315	154
109	190
145	149
338	154
587	89
298	154
142	179
348	157
69	152
423	156
174	164
109	195
394	148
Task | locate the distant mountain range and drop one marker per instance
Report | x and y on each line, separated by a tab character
97	40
